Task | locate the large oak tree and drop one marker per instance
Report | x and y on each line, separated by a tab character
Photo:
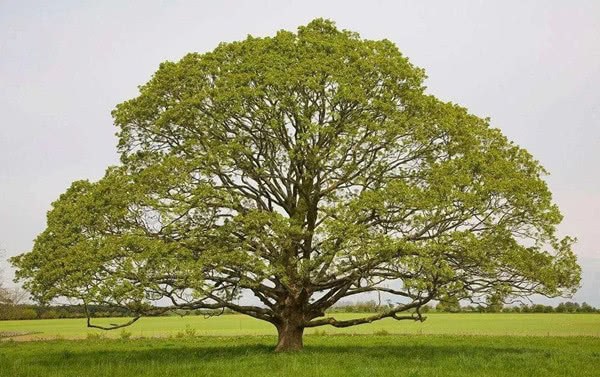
301	169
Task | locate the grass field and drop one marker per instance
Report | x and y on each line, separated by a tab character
402	355
235	325
445	345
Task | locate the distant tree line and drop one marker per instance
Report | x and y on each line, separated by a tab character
373	306
26	311
9	311
563	307
15	304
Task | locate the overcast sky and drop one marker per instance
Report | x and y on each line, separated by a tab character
533	67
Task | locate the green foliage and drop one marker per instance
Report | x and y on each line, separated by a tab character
304	168
370	306
8	312
125	335
190	332
454	306
49	314
448	304
94	336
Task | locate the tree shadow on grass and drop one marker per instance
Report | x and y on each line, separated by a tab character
140	353
407	351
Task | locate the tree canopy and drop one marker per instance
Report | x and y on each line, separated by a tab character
300	169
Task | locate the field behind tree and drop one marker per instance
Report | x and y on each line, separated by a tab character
236	325
444	345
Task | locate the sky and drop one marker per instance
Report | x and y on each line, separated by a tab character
533	67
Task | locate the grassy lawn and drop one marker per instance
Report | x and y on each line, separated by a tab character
235	325
445	345
332	355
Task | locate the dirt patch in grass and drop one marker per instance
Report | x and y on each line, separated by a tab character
12	334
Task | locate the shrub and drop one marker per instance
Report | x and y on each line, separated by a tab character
124	334
94	336
49	314
189	331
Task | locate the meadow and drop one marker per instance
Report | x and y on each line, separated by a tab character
503	324
444	345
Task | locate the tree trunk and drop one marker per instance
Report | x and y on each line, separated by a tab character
290	337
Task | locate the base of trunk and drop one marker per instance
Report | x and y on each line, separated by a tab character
290	339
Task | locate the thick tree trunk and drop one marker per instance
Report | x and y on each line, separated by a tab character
290	337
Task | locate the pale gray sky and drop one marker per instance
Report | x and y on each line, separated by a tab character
532	66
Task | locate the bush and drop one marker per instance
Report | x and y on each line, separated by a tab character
94	336
49	314
189	331
26	313
124	334
15	312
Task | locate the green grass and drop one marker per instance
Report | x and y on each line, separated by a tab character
361	355
235	325
444	345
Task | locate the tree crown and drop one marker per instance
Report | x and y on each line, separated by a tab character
302	168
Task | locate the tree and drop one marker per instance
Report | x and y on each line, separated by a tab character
301	169
450	304
12	300
4	295
14	296
4	292
572	307
586	308
495	303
